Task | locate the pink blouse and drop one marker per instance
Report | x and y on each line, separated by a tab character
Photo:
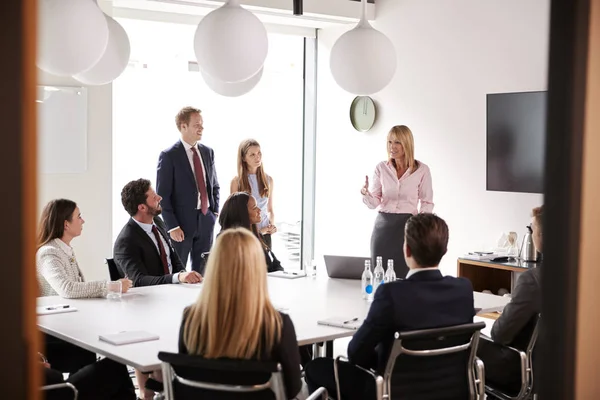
400	196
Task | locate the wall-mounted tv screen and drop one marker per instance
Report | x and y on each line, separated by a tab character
516	138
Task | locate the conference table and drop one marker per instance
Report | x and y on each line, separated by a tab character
158	310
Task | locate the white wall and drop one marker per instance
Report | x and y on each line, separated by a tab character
91	190
450	55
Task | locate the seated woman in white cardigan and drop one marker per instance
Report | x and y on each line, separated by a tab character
57	269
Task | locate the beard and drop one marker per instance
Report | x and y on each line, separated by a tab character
155	212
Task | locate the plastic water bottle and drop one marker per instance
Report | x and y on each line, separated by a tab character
378	273
390	274
367	282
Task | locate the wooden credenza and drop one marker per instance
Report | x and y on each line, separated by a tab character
491	275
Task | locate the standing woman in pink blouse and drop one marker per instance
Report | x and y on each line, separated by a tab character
398	185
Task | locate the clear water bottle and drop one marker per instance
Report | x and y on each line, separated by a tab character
367	282
378	273
390	274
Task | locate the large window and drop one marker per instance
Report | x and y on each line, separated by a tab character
162	78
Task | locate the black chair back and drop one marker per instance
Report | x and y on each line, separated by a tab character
114	271
191	377
434	364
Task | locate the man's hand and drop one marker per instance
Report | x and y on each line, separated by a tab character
177	235
126	284
189	277
268	230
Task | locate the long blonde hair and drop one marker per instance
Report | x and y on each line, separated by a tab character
233	316
261	176
404	135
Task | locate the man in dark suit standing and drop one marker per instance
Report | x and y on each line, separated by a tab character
516	323
142	250
425	299
187	181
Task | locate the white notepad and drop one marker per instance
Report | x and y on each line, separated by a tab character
55	309
128	337
342	322
287	275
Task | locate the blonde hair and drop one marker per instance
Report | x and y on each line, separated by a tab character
261	176
233	316
404	135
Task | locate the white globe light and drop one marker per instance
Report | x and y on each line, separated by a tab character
113	61
363	60
234	89
231	43
72	36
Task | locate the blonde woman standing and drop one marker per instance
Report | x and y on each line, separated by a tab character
401	187
234	317
252	179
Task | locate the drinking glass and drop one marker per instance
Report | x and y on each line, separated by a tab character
114	290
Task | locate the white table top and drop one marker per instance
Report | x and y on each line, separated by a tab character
158	310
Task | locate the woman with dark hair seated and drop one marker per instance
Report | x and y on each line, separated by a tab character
241	211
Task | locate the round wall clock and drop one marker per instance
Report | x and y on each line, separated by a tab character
362	113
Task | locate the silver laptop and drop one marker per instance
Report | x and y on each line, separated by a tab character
344	267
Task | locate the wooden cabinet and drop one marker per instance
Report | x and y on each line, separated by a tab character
490	275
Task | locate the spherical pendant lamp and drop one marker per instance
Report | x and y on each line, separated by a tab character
363	60
231	43
234	89
72	36
113	61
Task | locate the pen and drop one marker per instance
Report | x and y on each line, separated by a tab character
350	320
58	307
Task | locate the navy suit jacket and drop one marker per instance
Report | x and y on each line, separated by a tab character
138	257
176	184
425	300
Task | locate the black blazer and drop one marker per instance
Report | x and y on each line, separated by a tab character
425	300
176	184
285	352
137	256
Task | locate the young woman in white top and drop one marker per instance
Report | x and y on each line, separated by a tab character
57	269
252	179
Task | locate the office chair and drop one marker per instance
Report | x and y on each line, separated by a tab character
430	364
189	377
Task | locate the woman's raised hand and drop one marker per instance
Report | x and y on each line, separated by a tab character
365	190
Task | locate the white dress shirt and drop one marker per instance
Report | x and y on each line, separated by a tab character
148	229
190	155
417	270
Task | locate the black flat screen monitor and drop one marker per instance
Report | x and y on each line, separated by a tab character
516	138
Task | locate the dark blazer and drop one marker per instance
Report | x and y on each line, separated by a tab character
176	184
514	326
137	256
425	300
285	352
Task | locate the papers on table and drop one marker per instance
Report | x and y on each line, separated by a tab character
287	274
128	337
55	309
352	323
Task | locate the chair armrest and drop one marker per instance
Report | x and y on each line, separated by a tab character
520	352
62	386
480	378
320	393
377	378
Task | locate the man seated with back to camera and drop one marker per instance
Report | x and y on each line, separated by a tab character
425	299
515	325
142	249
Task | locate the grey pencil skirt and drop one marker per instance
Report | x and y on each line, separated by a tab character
387	240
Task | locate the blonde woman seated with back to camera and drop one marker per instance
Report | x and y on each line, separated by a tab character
234	317
57	268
